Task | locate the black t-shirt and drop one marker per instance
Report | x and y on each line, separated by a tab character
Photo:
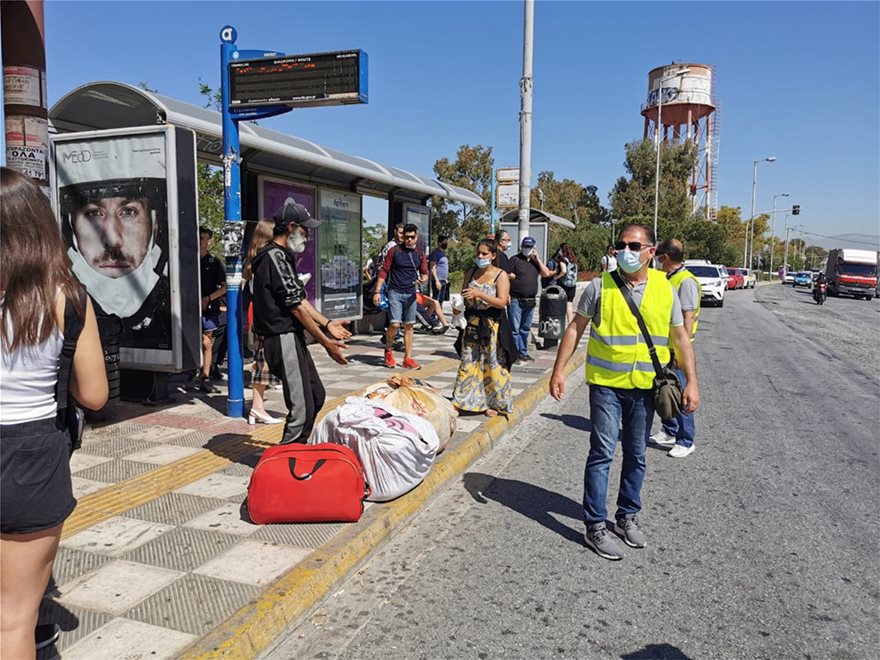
277	292
213	277
525	285
503	261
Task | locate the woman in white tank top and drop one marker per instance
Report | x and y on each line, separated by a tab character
35	488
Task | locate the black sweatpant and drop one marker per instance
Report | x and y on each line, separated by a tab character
289	361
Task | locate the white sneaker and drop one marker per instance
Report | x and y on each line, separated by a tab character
662	438
680	451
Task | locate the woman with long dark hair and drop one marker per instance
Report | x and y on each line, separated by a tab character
36	495
567	260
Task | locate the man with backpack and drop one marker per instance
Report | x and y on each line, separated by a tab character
404	268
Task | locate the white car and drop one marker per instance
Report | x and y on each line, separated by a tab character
709	277
749	278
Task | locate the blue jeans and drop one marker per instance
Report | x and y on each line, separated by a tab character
681	426
401	307
520	317
608	407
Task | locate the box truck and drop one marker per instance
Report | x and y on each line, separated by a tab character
852	272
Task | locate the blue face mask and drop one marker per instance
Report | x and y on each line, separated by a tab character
482	263
628	261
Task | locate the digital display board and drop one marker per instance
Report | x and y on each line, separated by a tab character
300	80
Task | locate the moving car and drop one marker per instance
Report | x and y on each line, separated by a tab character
748	277
710	281
803	278
853	272
788	278
736	280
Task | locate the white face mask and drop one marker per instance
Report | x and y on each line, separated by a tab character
124	295
296	242
526	252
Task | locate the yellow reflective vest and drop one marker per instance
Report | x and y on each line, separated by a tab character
677	278
617	355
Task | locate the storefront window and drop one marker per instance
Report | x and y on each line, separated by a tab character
340	254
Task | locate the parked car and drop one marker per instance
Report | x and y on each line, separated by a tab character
748	277
803	278
711	283
736	280
724	275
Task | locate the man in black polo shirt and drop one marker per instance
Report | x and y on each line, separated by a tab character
525	271
502	242
213	288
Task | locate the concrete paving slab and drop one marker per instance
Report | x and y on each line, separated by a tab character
82	487
174	508
71	564
75	623
253	562
161	454
82	461
195	604
116	536
163	434
129	640
117	586
226	518
182	549
115	471
304	535
219	486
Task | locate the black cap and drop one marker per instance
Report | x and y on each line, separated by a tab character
294	213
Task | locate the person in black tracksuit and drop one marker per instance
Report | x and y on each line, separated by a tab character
282	316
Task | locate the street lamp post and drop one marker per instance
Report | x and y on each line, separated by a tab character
772	227
747	255
785	253
658	127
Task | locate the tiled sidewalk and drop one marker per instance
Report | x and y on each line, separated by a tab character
160	551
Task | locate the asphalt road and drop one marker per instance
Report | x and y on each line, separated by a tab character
761	544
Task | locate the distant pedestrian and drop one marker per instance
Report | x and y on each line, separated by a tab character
396	240
526	269
679	432
261	375
568	262
36	493
438	266
213	288
620	373
282	316
404	269
609	260
483	380
502	244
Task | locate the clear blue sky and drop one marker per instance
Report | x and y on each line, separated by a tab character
799	81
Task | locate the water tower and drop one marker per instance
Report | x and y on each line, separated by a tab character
681	106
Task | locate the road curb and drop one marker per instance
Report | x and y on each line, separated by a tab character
251	630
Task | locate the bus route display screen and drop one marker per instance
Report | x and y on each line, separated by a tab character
318	79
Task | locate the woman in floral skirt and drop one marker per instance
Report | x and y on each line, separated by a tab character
485	345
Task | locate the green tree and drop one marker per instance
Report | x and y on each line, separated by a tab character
815	256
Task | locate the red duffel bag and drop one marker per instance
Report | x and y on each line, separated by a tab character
296	483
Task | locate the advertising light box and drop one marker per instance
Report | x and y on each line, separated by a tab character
127	204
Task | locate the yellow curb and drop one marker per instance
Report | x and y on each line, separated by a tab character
117	499
254	626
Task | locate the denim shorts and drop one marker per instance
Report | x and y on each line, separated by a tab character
36	492
401	307
210	323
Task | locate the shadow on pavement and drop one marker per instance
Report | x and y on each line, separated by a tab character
53	612
571	421
531	501
656	652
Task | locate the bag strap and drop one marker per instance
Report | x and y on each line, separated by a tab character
73	325
624	289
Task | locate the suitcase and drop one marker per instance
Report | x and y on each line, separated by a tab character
296	483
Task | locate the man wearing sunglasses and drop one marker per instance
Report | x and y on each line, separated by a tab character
404	268
620	374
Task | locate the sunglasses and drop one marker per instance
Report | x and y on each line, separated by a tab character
409	238
634	246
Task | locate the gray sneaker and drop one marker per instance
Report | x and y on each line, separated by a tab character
602	543
628	528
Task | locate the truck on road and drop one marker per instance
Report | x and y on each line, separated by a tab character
853	272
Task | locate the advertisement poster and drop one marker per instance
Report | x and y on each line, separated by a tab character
274	194
113	208
340	254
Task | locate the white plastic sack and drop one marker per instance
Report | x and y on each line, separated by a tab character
458	320
396	457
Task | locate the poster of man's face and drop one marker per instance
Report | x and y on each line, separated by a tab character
114	214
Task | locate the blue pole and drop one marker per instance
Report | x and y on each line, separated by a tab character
492	204
232	213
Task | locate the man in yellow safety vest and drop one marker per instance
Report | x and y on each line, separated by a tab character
678	432
620	374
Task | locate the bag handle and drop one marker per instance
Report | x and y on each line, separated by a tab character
624	290
291	463
73	325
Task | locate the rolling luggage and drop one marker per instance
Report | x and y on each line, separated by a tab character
297	483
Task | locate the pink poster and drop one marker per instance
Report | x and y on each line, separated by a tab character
274	194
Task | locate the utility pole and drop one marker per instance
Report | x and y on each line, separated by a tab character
525	120
22	31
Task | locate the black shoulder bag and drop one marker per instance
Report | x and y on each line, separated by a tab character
667	388
70	415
